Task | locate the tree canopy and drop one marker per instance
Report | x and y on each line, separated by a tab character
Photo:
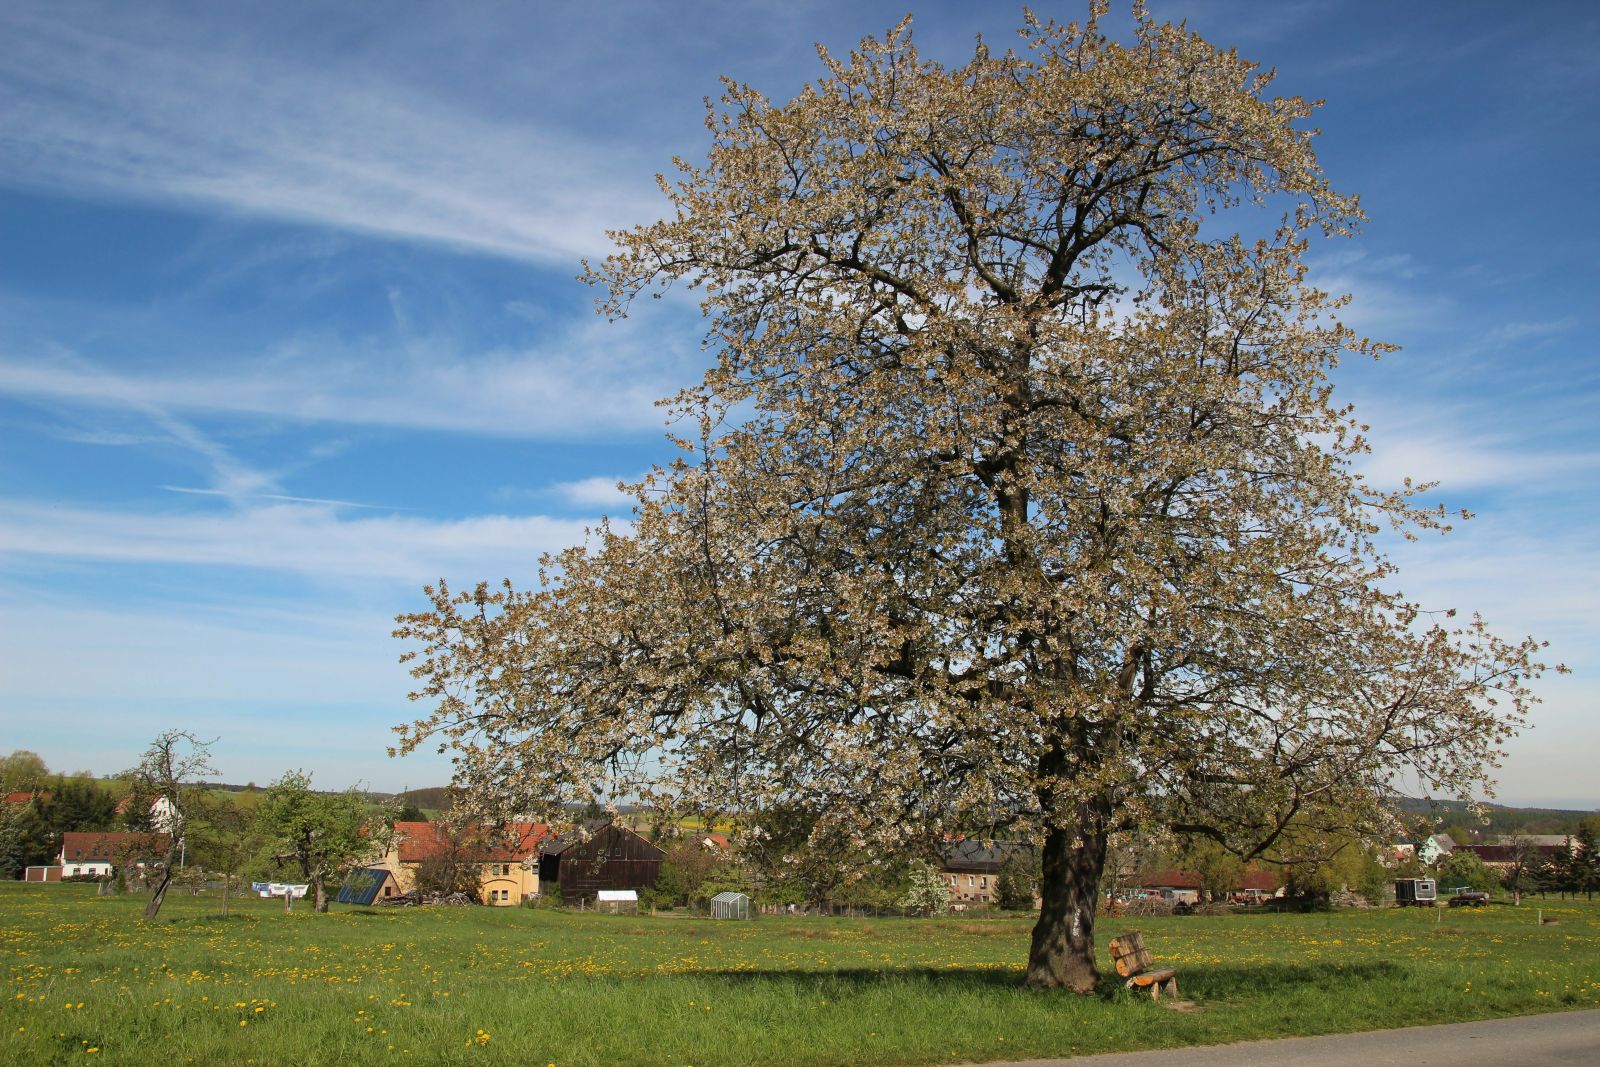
1017	497
323	834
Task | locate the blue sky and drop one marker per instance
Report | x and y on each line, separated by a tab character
289	328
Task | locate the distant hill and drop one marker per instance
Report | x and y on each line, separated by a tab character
432	798
1501	818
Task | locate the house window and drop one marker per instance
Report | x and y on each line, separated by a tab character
388	890
953	879
972	880
984	881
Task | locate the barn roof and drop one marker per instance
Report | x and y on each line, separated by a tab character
555	845
1510	853
418	841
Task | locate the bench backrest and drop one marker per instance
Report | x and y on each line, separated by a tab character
1130	955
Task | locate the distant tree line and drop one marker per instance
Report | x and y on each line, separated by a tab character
195	834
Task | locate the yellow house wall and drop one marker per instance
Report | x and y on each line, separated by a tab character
518	883
514	879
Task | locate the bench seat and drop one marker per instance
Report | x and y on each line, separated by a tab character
1135	963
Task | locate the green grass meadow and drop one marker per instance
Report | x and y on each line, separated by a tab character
89	981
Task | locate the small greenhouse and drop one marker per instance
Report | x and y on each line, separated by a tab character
617	901
730	906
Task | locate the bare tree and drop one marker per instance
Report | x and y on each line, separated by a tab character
454	864
163	791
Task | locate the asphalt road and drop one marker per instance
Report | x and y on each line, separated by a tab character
1560	1039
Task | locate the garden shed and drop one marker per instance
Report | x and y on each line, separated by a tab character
730	906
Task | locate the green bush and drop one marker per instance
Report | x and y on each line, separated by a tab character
549	898
1466	869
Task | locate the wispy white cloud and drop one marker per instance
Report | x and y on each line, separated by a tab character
1519	331
150	109
1466	441
1385	298
305	539
591	378
279	498
599	492
1458	462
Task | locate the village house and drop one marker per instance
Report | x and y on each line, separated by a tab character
1428	851
506	864
971	868
98	854
163	816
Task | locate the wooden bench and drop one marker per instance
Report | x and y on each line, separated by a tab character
1135	963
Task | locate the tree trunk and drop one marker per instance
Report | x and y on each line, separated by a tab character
321	893
158	893
1062	953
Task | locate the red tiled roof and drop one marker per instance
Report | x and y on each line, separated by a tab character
1171	879
418	841
1180	879
26	796
1267	880
92	846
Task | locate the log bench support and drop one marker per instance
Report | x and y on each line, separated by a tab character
1135	963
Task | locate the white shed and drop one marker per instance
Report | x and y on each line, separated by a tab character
730	906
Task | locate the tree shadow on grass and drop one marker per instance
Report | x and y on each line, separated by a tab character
233	918
851	980
1252	981
1257	980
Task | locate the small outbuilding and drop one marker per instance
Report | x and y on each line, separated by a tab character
730	906
617	901
607	857
366	885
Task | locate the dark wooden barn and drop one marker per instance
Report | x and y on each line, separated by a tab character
613	857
